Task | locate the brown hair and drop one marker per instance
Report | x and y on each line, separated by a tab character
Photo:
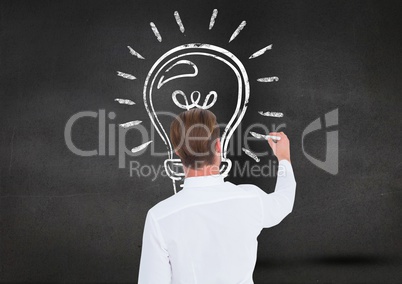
193	134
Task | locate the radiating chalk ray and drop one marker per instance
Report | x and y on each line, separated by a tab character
251	154
124	101
178	21
135	53
141	147
213	17
272	114
260	52
156	32
130	123
126	75
268	79
238	30
257	135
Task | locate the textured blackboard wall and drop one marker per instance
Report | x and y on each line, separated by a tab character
66	218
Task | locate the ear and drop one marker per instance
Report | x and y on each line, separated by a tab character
218	148
177	154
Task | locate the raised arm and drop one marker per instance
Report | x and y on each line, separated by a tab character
277	205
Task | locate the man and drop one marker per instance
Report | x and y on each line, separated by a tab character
207	232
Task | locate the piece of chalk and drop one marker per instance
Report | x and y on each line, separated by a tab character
262	136
272	137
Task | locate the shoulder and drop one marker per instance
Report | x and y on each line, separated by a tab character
253	189
249	187
167	205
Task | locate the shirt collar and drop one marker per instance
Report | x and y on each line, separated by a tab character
203	181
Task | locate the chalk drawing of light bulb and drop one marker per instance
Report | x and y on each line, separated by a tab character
156	79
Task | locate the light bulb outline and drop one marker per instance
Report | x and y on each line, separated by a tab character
242	79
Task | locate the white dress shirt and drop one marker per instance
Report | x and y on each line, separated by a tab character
207	232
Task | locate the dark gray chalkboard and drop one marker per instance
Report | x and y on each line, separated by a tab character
67	218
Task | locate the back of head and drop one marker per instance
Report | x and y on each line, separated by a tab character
193	134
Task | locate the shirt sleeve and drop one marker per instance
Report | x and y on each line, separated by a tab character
277	205
154	263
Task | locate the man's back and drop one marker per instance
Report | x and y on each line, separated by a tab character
207	233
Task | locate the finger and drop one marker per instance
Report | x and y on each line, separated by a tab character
277	134
283	134
274	134
271	143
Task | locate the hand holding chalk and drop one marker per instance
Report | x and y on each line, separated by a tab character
281	148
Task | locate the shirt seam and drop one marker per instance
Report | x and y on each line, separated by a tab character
159	231
262	210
